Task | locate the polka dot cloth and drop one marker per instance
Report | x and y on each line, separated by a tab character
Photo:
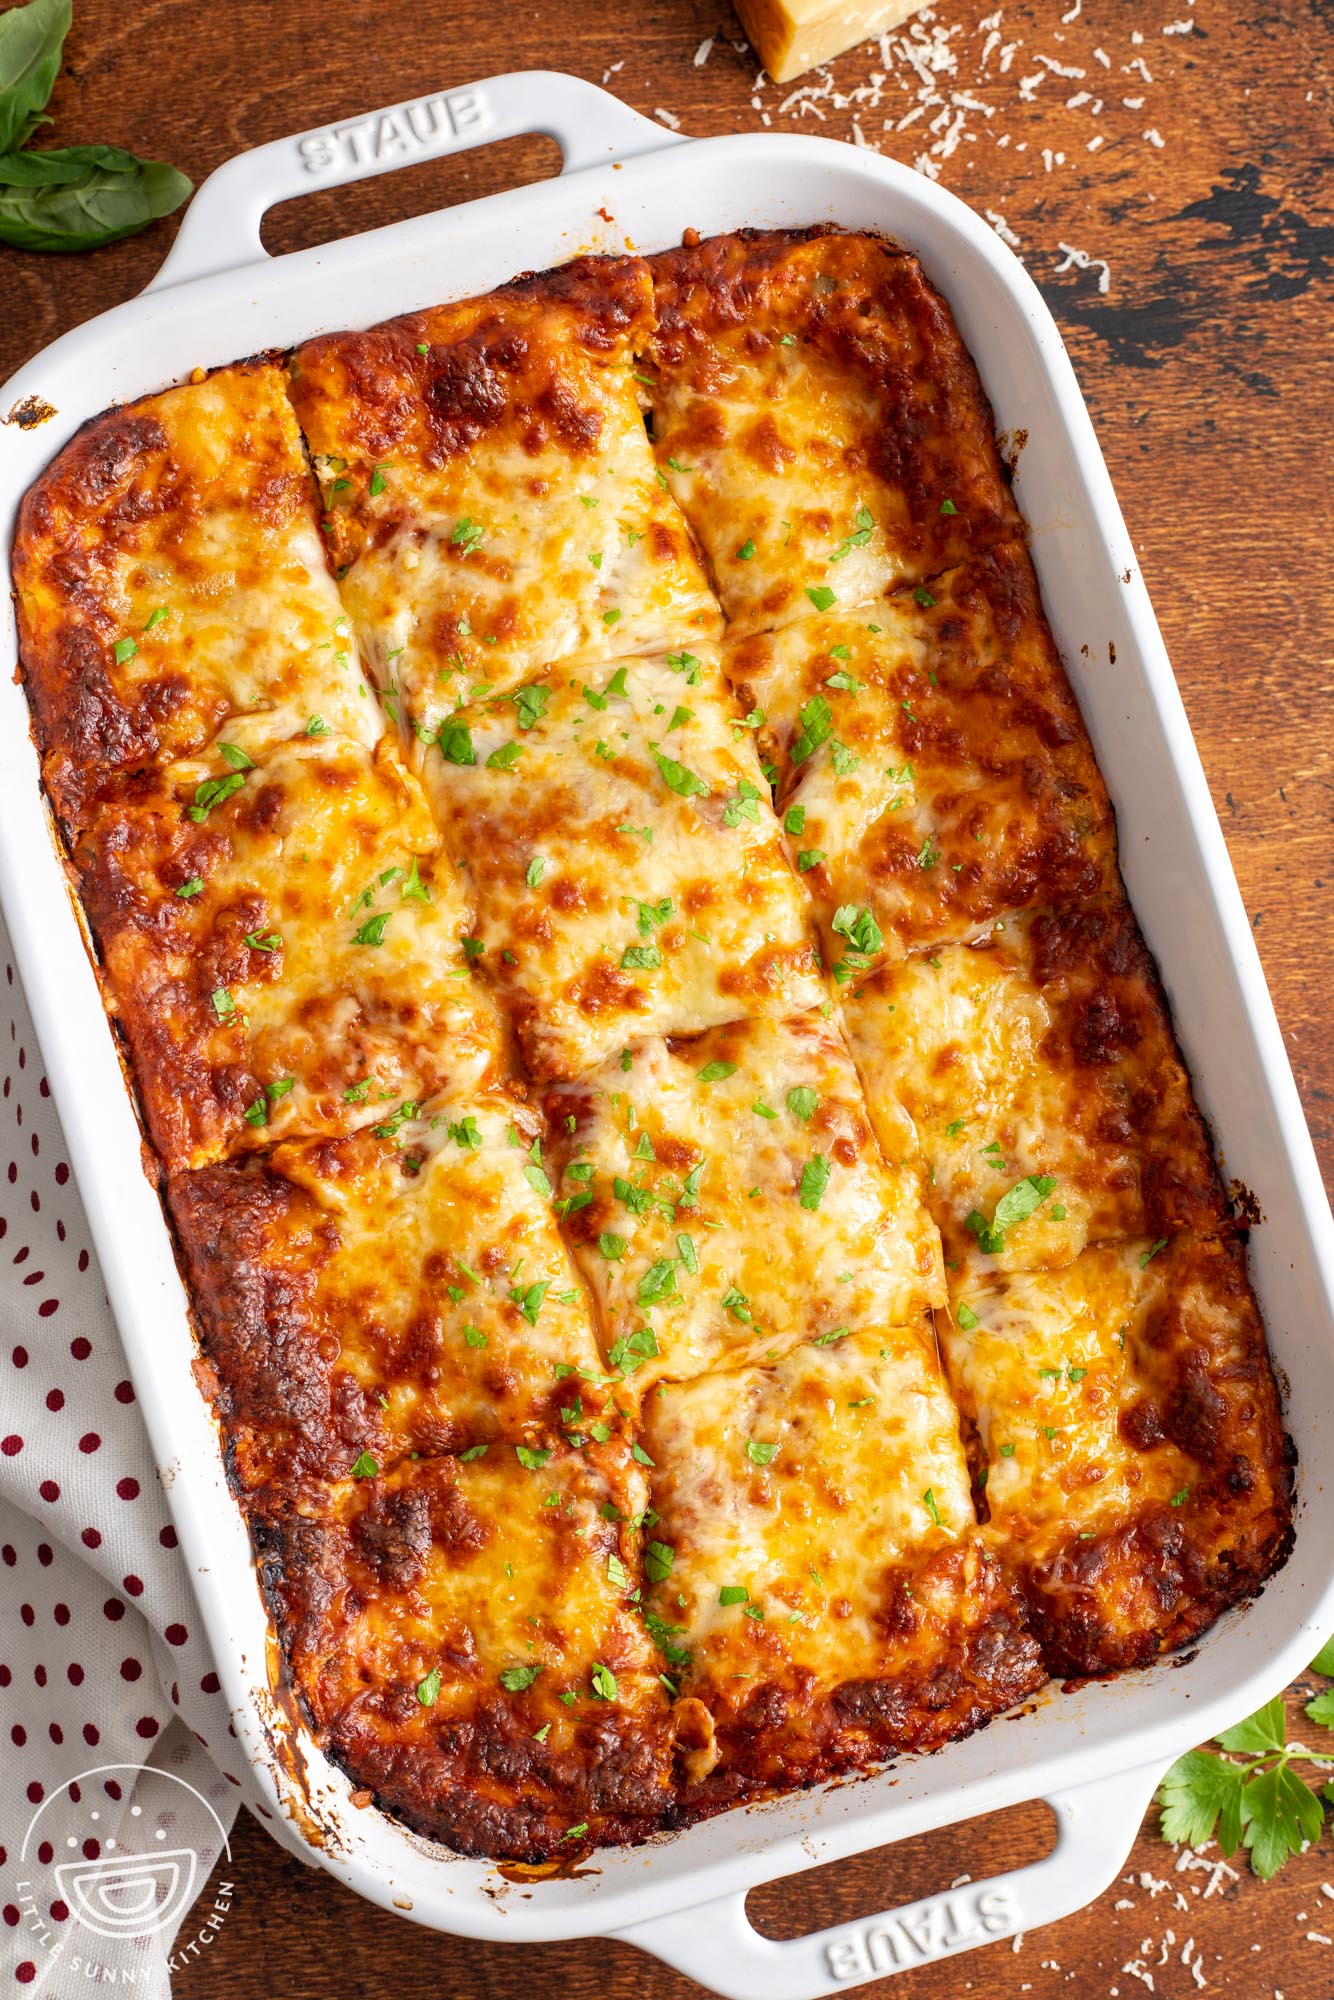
102	1657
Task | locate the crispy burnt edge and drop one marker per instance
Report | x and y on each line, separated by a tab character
88	739
1185	1565
481	1782
705	288
790	1733
455	393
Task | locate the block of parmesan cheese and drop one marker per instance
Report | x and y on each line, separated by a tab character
790	36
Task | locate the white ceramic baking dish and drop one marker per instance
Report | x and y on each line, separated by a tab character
1094	1754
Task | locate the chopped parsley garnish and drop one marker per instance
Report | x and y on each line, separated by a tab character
535	870
857	540
821	596
856	923
795	819
223	1003
803	1102
657	1283
603	1681
372	931
264	940
190	888
929	1502
924	597
529	1301
1015	1205
611	1246
746	551
468	535
641	958
364	1467
455	741
814	1181
714	1072
428	1689
317	726
808	858
1147	1256
733	1593
658	1560
124	650
758	1452
530	1458
156	616
531	705
966	1318
948	507
677	778
817	723
505	758
378	480
515	1679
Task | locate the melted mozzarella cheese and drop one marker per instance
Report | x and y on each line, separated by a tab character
426	1300
727	1199
819	422
171	577
1043	1365
312	974
816	1534
491	488
933	767
1039	1053
630	877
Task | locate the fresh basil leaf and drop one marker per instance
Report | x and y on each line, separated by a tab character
80	197
31	39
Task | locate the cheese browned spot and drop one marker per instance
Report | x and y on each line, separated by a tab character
726	1199
463	1638
1124	1415
171	577
1041	1051
819	421
820	1586
403	1290
285	959
629	873
931	760
494	496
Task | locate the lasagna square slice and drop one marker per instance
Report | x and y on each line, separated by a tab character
726	1199
629	873
819	421
1127	1434
280	940
490	491
171	576
463	1637
1037	1071
932	768
815	1573
400	1290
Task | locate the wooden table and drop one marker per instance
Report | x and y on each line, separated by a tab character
1156	163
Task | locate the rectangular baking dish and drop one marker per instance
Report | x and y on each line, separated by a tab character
1096	1753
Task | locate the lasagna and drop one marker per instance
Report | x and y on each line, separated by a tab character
704	1255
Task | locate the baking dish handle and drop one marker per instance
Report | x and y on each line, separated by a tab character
715	1943
221	227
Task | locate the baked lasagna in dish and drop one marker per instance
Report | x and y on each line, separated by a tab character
703	1251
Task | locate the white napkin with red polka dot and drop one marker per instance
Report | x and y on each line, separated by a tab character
102	1660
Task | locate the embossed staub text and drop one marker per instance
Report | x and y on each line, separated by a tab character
428	125
922	1932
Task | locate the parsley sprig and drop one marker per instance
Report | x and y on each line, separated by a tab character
1251	1797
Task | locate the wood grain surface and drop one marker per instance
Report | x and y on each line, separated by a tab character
1160	165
